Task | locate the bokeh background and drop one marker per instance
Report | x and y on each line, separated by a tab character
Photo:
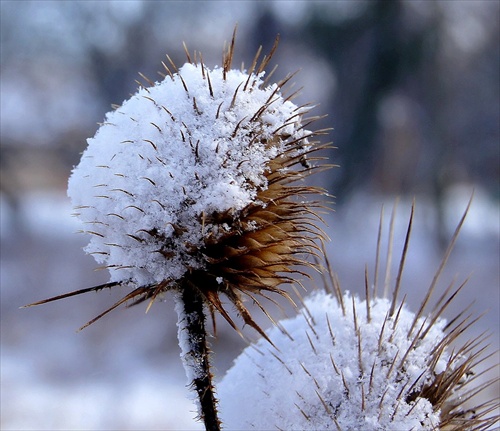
411	89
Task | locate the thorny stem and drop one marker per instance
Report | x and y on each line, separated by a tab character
196	356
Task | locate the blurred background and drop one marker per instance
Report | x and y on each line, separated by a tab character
411	89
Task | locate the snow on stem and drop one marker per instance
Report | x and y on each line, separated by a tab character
195	352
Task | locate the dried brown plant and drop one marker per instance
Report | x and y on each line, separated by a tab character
247	252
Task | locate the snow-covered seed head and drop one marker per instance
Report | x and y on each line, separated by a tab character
189	183
350	364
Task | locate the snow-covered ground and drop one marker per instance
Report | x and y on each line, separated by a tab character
124	372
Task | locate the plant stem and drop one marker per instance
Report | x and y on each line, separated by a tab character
195	352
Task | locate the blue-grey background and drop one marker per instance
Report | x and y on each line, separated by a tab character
411	89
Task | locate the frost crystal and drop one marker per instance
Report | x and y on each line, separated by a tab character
196	144
336	371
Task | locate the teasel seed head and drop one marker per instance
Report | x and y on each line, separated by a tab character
198	180
195	185
346	363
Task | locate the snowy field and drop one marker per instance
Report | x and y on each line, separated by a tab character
124	372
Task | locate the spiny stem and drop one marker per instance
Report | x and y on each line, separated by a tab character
196	353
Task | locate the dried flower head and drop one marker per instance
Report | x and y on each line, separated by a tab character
188	183
350	364
194	185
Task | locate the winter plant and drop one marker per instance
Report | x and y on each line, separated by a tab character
194	185
347	363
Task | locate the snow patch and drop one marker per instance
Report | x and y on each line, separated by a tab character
320	361
172	155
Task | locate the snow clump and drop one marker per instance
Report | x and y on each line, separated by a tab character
173	155
336	371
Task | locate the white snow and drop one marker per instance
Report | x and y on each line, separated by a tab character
191	367
143	401
166	158
263	392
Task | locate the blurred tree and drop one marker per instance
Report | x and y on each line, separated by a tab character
373	53
416	105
